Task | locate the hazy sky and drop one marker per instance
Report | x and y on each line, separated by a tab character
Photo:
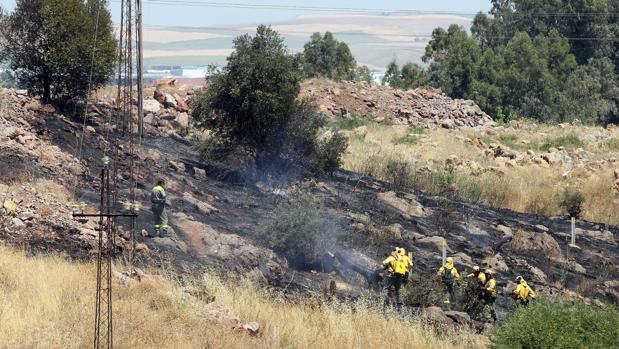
192	13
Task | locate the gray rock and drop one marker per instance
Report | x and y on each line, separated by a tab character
408	207
177	166
459	317
199	173
448	124
182	120
151	106
172	243
18	223
26	216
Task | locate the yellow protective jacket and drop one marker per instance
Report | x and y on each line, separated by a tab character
448	272
524	291
388	263
409	263
408	260
481	277
490	287
158	197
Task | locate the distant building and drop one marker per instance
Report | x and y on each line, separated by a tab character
378	77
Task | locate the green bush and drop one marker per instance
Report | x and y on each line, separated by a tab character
208	148
611	144
298	229
509	140
416	130
348	123
406	139
328	155
557	325
399	173
571	201
570	141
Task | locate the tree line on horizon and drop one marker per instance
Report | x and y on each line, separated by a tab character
551	61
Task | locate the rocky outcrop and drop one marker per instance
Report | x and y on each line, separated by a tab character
530	242
428	108
408	207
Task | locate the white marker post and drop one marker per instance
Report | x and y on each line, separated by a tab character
444	251
573	234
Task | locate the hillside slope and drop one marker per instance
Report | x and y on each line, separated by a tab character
214	216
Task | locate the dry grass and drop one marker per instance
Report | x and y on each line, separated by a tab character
525	188
46	302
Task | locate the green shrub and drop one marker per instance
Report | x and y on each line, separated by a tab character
406	139
298	229
348	123
399	174
611	144
416	130
557	325
208	148
571	201
570	141
328	155
509	140
442	181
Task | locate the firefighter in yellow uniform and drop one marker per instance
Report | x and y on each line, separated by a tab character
479	275
449	275
523	292
158	202
489	292
408	260
396	267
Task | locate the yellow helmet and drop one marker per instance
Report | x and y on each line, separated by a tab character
476	268
489	272
449	260
519	278
402	251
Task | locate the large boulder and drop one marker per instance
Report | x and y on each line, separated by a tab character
435	241
557	158
408	207
202	206
182	120
230	250
496	262
151	106
181	105
166	99
534	243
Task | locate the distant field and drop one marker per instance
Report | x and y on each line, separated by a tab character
373	39
184	60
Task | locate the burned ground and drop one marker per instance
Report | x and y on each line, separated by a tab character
215	214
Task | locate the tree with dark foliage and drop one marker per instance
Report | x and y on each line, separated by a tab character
49	44
252	102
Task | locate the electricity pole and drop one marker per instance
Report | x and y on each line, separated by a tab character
140	68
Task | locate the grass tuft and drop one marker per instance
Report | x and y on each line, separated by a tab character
406	139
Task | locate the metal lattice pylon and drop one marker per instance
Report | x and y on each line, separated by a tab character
103	337
131	10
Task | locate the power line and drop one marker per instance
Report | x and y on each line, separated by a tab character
379	34
196	3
